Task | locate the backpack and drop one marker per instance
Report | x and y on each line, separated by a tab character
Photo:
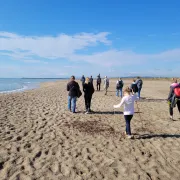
177	91
107	82
119	85
140	83
91	80
134	88
99	80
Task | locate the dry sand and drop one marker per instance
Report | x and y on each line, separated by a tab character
40	139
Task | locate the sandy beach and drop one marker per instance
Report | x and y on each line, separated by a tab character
41	140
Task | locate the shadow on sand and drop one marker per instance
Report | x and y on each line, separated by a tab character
149	136
144	99
111	112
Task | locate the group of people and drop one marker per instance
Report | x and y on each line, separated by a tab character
136	86
131	94
88	89
74	91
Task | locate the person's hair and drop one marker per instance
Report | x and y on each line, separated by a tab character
72	77
134	80
127	90
87	80
138	77
174	80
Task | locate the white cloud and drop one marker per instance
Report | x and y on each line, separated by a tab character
48	46
29	48
34	61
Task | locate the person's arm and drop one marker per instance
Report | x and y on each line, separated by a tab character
171	93
78	86
67	87
92	89
84	88
131	86
120	104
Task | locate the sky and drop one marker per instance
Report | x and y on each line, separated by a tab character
116	38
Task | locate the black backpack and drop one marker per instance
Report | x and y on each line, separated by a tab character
99	80
134	88
119	85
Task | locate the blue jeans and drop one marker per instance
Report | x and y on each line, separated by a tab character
72	103
139	91
128	123
117	92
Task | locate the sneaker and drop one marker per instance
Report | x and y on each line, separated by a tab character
130	136
86	112
171	117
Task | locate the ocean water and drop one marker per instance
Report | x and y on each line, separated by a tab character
8	85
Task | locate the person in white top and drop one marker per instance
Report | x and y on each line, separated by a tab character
128	102
106	84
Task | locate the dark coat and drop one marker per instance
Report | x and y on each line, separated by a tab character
88	89
73	88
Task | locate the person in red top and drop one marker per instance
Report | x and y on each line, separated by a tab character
174	97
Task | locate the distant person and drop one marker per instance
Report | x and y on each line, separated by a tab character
134	87
82	80
73	88
91	80
98	83
88	92
174	98
139	83
119	87
106	84
128	102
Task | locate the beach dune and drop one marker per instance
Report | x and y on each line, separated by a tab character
40	139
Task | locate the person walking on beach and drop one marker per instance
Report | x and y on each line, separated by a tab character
134	87
139	83
174	82
88	92
91	80
82	80
174	97
73	88
106	84
119	87
128	102
98	83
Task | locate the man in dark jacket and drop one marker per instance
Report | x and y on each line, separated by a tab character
173	100
83	80
139	83
73	88
98	83
91	80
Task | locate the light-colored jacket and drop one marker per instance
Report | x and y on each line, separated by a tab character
128	102
106	82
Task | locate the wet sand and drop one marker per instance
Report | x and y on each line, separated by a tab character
40	139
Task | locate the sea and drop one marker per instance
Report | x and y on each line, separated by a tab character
9	85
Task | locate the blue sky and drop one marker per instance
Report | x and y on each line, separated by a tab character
113	37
